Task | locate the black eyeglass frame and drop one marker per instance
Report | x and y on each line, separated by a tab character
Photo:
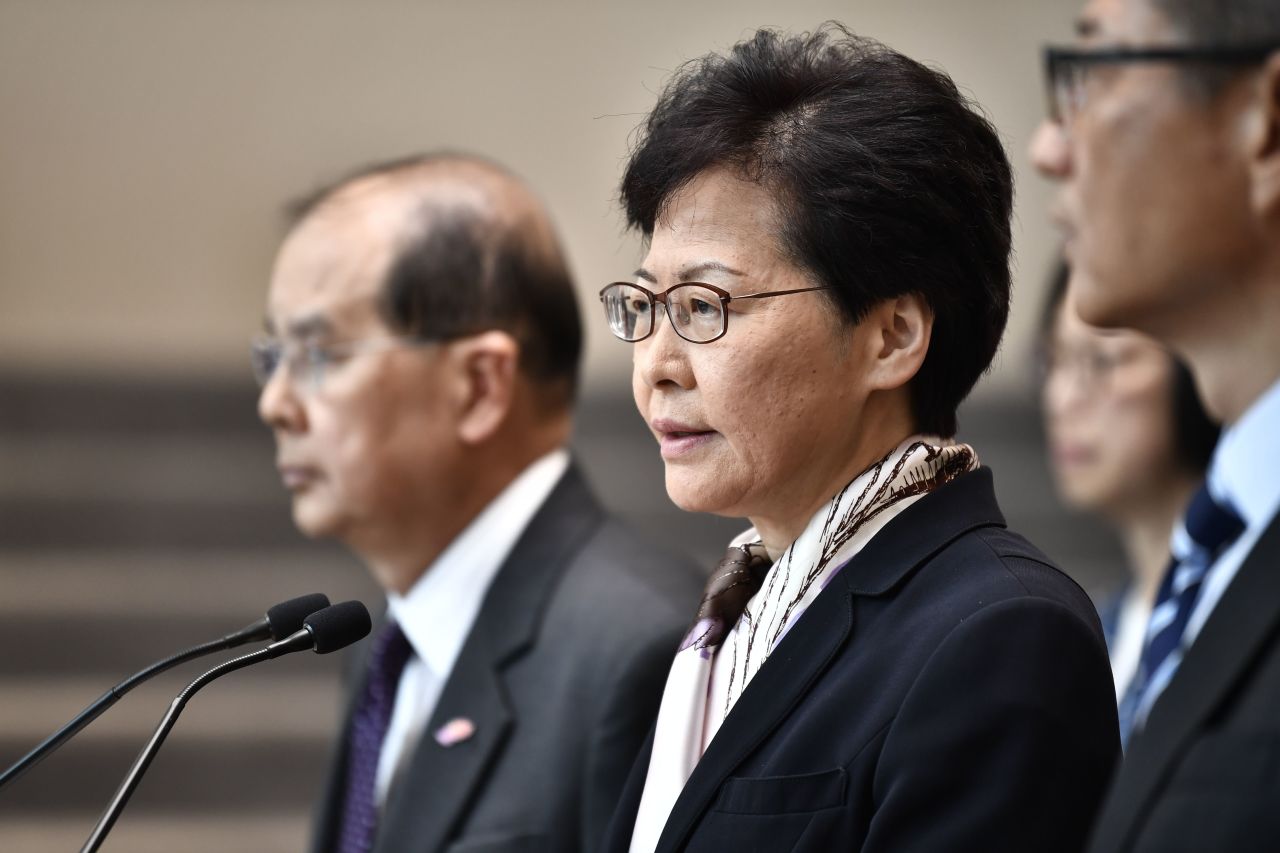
1057	58
725	298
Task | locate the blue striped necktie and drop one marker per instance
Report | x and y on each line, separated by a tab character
369	722
1211	527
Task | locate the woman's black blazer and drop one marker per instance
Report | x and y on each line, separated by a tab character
948	691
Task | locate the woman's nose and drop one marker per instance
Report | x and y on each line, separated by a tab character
662	358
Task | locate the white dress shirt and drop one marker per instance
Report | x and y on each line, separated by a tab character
436	615
1126	642
1244	475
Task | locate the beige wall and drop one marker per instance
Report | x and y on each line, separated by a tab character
148	145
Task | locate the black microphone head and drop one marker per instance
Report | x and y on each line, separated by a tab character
287	616
338	626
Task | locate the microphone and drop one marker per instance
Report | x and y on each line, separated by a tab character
324	631
282	620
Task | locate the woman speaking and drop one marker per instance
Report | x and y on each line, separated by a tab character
878	664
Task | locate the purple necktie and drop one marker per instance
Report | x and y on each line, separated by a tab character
369	723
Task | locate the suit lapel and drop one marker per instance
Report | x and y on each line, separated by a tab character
792	667
809	647
1241	624
442	780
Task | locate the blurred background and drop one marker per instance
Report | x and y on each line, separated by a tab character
148	149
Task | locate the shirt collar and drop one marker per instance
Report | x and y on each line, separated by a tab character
1247	459
436	614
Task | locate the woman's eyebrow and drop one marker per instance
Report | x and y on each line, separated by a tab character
695	271
692	272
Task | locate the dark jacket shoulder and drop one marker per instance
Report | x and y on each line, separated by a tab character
948	690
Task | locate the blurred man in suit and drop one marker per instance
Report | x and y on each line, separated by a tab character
418	373
1165	137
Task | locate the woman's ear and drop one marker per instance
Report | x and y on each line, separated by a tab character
901	329
485	367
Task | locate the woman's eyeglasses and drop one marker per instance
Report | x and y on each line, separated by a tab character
698	312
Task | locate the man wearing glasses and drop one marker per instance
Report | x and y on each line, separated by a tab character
1165	138
418	374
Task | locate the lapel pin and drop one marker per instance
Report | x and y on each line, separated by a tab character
455	732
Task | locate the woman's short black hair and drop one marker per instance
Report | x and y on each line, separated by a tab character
1195	432
887	180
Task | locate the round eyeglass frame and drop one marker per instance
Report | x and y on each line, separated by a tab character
723	295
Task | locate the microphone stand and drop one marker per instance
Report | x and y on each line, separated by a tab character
298	642
105	701
281	620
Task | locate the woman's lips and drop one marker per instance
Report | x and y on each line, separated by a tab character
678	439
1072	455
677	444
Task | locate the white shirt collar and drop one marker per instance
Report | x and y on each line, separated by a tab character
437	613
1247	461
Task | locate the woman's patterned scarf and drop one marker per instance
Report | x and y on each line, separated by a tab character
749	606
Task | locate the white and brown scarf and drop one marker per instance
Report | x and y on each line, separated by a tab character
749	606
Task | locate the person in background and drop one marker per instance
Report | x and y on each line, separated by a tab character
878	663
1164	137
1129	440
418	374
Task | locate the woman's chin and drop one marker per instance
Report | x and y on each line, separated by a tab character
694	493
1108	503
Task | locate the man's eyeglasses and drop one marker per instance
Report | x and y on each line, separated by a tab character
698	312
307	362
1067	69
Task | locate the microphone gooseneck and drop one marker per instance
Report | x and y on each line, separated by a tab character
281	620
324	631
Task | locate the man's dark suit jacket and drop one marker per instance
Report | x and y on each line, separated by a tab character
948	691
1204	773
561	674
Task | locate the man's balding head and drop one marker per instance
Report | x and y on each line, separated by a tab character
422	351
463	246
